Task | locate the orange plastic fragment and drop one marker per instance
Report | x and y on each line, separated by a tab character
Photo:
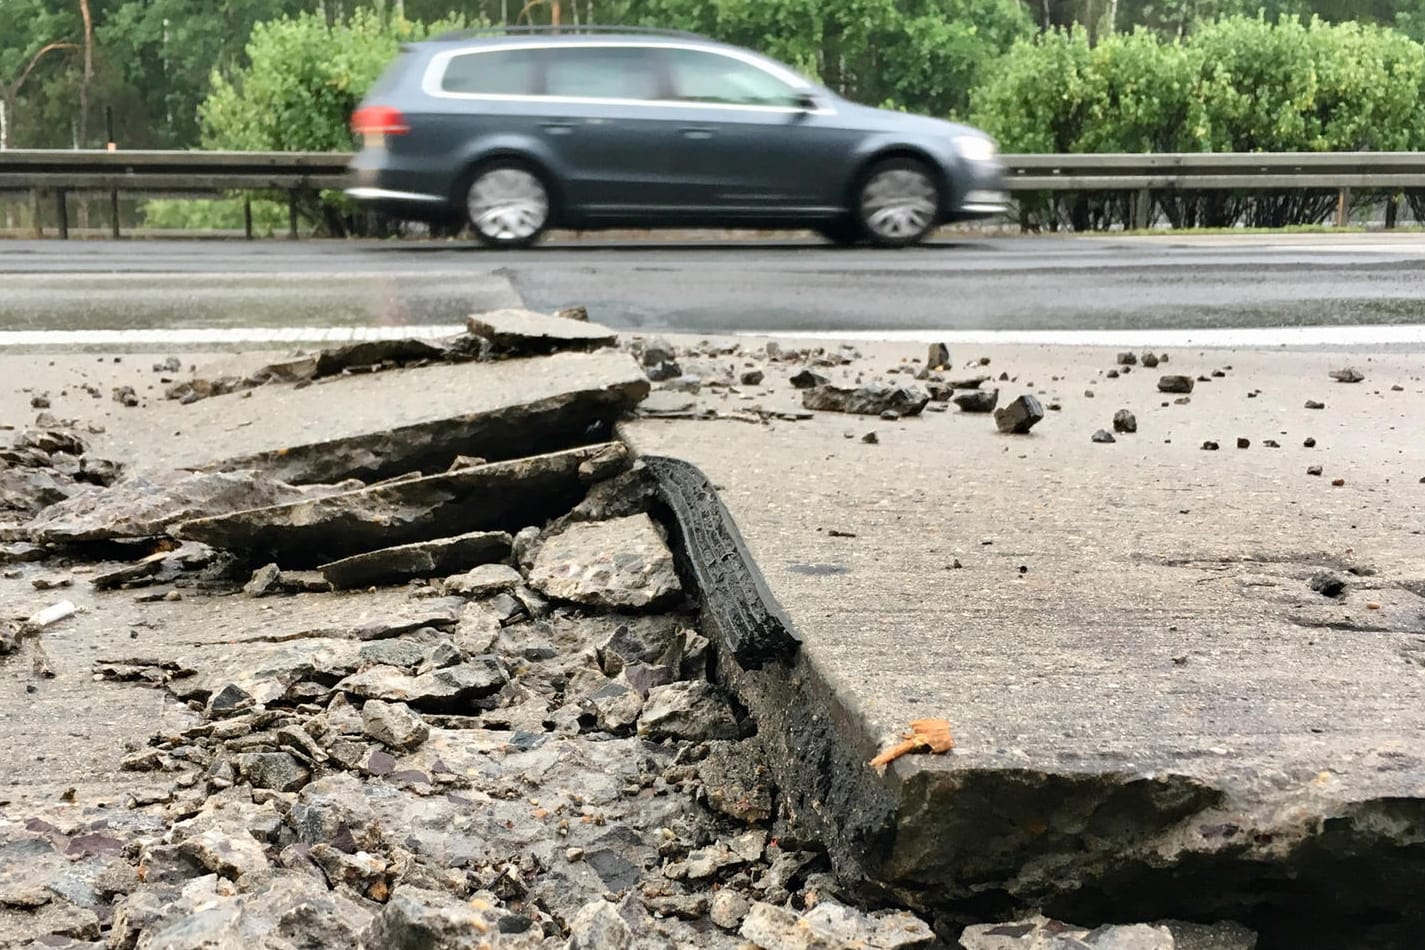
926	735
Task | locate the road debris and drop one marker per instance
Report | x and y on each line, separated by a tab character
925	735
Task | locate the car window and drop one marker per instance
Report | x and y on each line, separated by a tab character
508	72
608	72
699	76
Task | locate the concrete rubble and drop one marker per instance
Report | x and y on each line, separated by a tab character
427	644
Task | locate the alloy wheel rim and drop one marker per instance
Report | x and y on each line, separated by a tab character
508	204
898	203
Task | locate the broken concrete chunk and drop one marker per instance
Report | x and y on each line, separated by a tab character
872	399
622	563
484	580
689	710
278	771
612	460
527	333
499	496
977	401
808	379
264	581
421	559
354	356
144	506
637	640
1041	933
1175	384
439	689
394	725
1019	416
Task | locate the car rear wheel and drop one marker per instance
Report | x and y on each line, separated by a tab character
508	204
898	202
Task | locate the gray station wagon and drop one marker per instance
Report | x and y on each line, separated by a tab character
521	131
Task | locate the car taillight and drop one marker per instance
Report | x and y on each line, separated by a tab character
379	120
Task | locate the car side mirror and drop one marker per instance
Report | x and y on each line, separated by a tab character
808	102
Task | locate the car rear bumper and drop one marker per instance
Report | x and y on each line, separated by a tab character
393	191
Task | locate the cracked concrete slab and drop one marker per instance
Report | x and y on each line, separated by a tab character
387	423
1118	635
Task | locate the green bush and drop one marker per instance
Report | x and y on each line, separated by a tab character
305	75
1240	84
214	214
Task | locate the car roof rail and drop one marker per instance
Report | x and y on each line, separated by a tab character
563	28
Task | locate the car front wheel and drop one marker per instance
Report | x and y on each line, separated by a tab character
898	202
507	204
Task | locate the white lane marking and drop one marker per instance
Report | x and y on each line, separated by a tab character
1252	337
221	336
1246	337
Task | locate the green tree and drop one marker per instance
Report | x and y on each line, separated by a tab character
303	77
921	55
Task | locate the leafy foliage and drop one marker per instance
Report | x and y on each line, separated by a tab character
1239	84
920	55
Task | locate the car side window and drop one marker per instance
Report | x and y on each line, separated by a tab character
507	72
602	72
699	76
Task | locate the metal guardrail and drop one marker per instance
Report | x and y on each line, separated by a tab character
57	174
60	173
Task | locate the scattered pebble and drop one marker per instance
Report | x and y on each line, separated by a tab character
1125	421
1348	375
1313	404
1313	470
1103	435
1244	443
1210	446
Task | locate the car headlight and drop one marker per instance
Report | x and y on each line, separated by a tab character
976	148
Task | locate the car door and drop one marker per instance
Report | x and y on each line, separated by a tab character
747	143
595	118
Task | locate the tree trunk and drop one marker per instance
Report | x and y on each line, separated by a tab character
88	72
4	124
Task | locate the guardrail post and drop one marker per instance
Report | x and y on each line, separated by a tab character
1142	203
1343	207
114	215
61	209
1392	212
37	210
292	214
247	215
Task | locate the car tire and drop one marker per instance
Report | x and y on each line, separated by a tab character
508	204
845	232
897	202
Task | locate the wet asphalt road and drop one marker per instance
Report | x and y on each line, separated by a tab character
1029	283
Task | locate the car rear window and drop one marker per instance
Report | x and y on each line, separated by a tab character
602	72
508	72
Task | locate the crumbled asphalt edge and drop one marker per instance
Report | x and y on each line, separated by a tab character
734	595
828	797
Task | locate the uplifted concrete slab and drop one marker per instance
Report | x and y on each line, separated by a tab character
1155	713
525	331
382	424
500	496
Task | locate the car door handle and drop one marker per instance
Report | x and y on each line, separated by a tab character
696	132
558	128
